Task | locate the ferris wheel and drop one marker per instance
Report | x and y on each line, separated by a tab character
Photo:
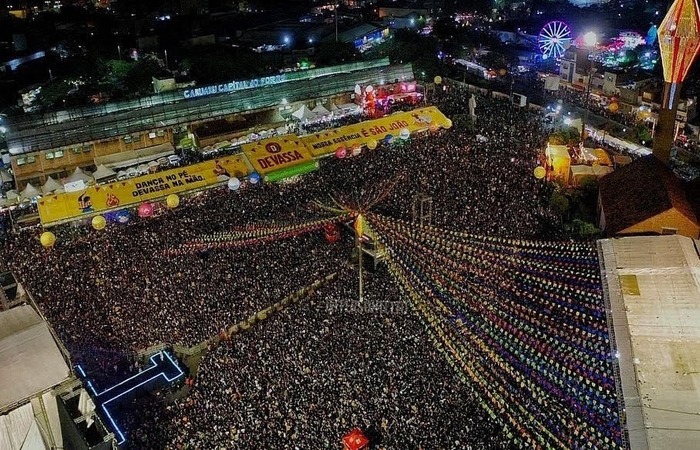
554	39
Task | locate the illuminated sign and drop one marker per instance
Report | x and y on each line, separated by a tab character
277	153
98	199
359	134
233	86
162	367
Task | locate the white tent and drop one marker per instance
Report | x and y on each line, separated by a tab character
78	175
5	177
320	110
334	108
50	185
304	113
12	195
20	431
31	363
103	172
29	191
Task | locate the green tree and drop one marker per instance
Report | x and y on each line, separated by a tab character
559	203
332	53
221	64
139	78
583	229
87	71
565	136
54	93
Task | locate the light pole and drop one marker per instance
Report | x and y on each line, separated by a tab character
679	42
591	72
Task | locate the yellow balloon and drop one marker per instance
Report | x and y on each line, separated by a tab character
47	239
372	144
99	222
172	200
437	79
448	124
613	107
540	172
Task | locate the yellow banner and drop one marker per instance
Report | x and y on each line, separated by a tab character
276	153
96	199
360	134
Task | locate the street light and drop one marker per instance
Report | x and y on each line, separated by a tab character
591	72
590	39
119	51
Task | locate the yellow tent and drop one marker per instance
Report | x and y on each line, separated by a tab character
558	157
602	157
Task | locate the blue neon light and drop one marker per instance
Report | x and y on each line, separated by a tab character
142	374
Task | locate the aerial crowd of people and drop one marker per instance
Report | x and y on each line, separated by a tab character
310	373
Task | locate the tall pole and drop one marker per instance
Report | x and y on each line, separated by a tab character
336	20
665	127
358	240
591	71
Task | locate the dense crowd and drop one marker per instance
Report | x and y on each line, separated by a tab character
591	102
306	376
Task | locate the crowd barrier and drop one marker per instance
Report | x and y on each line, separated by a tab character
183	352
279	306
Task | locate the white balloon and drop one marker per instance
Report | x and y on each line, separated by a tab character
405	133
369	88
234	183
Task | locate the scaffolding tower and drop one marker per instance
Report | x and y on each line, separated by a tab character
422	209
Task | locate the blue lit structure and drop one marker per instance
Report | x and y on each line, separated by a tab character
652	34
554	39
162	371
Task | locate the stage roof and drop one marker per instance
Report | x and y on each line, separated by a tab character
30	360
654	291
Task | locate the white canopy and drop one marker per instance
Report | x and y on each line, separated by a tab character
19	430
29	191
304	113
334	108
103	172
12	195
320	110
30	360
5	176
50	185
78	175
